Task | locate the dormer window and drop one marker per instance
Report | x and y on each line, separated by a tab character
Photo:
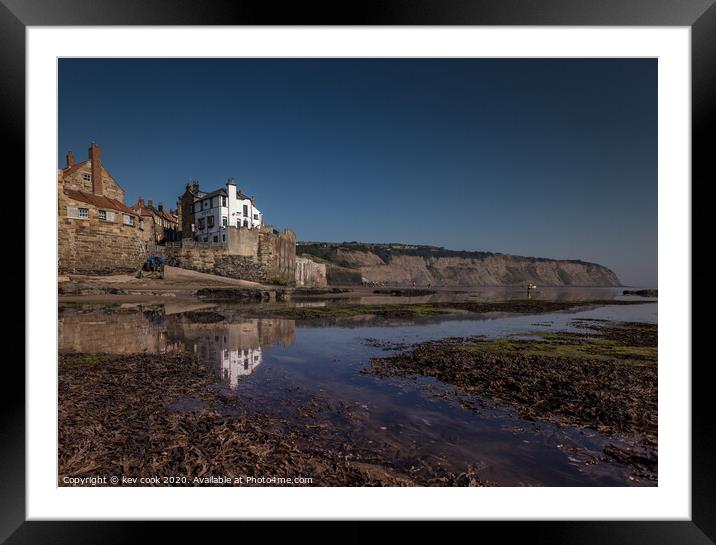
87	177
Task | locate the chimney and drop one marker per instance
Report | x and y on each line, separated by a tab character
160	207
151	203
141	202
70	159
231	181
96	169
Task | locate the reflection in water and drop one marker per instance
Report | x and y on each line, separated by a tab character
232	349
326	363
120	332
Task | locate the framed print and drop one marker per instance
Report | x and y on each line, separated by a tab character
429	262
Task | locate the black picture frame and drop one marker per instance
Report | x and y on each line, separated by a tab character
699	15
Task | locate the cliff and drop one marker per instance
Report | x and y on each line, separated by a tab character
403	264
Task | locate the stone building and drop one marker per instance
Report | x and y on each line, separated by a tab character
163	224
97	232
206	217
222	232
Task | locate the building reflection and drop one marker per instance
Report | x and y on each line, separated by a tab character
236	349
117	332
233	350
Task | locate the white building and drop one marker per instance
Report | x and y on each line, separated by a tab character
213	212
239	363
234	350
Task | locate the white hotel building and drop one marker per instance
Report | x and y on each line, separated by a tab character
213	212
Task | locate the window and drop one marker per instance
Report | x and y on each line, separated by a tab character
128	220
256	216
111	216
191	208
205	205
201	224
223	201
75	212
216	238
103	215
210	221
246	210
87	177
223	238
238	223
225	221
246	223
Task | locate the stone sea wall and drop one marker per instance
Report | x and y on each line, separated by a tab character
258	255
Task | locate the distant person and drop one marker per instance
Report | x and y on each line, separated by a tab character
530	287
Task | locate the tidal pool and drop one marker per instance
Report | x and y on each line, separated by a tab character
274	365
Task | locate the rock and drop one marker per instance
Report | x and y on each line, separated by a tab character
642	293
236	294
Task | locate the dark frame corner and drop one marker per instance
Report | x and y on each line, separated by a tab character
700	15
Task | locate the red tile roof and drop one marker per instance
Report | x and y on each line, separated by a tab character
99	200
167	216
148	211
141	211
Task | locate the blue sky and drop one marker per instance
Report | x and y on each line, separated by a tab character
544	157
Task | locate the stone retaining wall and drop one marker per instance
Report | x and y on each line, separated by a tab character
251	254
310	274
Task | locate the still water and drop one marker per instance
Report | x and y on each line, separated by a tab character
273	364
